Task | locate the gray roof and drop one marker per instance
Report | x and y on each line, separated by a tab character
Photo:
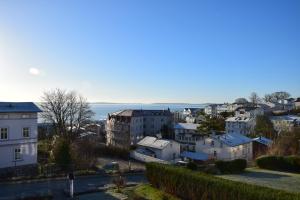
263	140
137	113
232	139
154	142
188	126
19	107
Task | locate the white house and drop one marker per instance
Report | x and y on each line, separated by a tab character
18	134
285	122
226	147
244	120
166	150
187	135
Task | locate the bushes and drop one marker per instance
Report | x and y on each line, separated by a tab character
187	184
192	166
231	167
279	163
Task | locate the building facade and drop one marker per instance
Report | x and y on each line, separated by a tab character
226	147
127	127
187	135
285	122
18	134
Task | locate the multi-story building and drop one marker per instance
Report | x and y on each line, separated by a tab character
226	147
127	127
187	135
285	122
244	121
18	134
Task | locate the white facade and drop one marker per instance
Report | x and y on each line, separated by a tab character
18	139
240	125
244	121
187	135
127	127
226	147
161	149
285	123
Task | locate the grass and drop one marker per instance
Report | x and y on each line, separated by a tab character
279	180
147	192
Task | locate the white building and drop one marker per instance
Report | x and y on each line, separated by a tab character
127	127
18	134
226	147
187	135
215	109
240	125
166	150
244	121
285	122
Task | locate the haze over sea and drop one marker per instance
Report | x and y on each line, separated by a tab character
102	109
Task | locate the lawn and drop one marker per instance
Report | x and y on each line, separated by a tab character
278	180
147	192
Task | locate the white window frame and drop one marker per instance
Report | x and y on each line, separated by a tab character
7	133
28	132
19	152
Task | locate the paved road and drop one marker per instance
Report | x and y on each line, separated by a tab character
56	187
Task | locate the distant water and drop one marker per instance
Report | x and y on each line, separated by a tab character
102	109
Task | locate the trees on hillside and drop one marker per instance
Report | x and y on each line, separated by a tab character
276	97
264	127
254	99
211	124
287	143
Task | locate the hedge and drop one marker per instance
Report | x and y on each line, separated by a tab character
190	185
279	163
230	167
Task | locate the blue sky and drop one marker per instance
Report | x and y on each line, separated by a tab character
149	50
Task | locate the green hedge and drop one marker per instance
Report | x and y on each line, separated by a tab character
190	185
279	163
231	167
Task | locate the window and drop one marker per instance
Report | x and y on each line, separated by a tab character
26	132
215	154
4	134
18	154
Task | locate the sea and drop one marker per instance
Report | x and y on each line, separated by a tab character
101	110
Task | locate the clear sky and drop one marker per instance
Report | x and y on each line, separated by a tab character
149	50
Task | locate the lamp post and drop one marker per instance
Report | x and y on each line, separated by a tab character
71	181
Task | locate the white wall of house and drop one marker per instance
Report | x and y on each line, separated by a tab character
14	124
220	151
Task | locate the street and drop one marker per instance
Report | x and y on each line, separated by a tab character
56	187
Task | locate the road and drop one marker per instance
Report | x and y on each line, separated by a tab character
10	191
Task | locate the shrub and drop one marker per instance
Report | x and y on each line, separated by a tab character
279	163
191	165
187	184
230	167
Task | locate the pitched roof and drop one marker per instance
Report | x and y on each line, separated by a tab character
137	113
238	119
188	126
232	139
19	107
263	140
154	142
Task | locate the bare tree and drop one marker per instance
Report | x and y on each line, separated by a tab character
276	97
254	99
68	111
